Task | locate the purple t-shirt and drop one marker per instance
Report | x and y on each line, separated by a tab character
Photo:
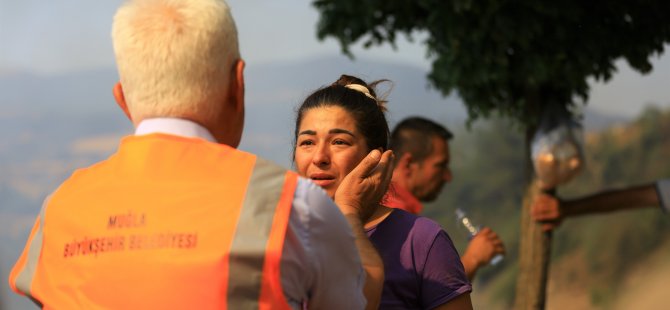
421	265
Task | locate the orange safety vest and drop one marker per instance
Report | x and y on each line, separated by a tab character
165	223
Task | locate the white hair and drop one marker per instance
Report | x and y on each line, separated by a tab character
174	57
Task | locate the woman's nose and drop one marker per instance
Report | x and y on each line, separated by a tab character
321	156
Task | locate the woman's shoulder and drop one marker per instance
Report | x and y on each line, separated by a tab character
415	224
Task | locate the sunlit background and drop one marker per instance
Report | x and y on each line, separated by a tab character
57	113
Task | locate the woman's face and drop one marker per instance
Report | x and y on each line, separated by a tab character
328	146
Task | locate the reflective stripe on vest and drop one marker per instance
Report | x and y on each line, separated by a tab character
167	222
21	277
254	278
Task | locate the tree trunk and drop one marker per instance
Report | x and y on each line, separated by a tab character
534	248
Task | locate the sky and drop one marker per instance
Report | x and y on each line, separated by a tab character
55	37
63	36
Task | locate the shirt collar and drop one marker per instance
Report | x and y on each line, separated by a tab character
173	126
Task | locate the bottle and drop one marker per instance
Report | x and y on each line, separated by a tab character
472	230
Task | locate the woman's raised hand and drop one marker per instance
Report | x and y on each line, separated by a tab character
363	188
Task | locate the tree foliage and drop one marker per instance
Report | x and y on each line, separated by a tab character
510	57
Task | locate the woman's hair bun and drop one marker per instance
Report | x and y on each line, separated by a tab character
368	90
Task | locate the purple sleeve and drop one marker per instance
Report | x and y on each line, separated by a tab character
443	274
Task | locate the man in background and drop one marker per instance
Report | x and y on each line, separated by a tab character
422	169
178	218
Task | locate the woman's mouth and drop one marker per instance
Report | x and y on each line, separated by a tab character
322	179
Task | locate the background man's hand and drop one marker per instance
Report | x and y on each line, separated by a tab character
546	209
484	246
363	188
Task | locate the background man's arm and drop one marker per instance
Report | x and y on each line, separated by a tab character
483	247
550	210
628	198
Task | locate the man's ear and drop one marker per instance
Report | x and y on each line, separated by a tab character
236	87
121	99
405	163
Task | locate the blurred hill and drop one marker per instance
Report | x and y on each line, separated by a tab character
598	260
51	125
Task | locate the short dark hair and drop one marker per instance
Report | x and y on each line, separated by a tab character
413	135
367	111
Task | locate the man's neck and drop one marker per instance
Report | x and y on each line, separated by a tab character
399	197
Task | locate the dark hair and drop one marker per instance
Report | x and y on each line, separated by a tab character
367	111
413	135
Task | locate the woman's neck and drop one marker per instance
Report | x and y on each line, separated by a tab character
381	213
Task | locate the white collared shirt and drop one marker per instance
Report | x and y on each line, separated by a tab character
320	264
173	126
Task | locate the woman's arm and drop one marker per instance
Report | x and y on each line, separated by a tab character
461	302
358	197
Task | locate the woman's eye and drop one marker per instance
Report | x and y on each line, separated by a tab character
340	142
306	143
